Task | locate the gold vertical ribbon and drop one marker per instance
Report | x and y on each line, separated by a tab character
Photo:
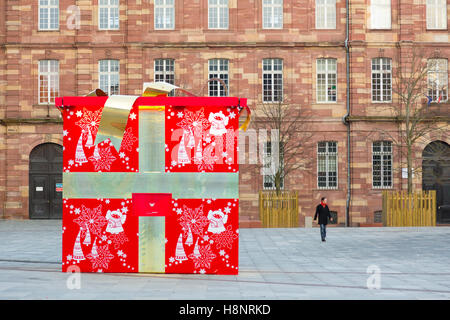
114	119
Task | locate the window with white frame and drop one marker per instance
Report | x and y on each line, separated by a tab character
380	14
269	179
164	14
382	164
327	162
218	68
48	71
325	14
48	15
272	14
218	14
272	80
165	71
108	14
381	80
437	14
109	76
437	79
326	80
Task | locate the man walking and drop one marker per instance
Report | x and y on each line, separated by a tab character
324	214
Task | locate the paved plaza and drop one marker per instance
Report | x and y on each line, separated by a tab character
413	263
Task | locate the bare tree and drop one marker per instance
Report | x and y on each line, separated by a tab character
415	87
291	122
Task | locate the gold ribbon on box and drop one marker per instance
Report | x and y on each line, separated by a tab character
117	109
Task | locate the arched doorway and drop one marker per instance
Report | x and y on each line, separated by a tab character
436	176
45	183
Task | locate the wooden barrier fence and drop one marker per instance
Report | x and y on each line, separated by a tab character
401	209
278	211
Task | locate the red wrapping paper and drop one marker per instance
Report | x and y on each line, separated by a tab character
80	155
100	235
201	139
202	236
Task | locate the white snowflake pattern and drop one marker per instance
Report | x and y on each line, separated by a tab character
180	114
104	161
222	252
227	210
65	133
133	116
232	115
79	113
128	140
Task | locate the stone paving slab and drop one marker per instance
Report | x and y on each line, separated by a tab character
274	264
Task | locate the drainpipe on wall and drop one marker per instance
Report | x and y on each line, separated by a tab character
345	118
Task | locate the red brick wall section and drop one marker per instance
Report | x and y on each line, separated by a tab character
137	44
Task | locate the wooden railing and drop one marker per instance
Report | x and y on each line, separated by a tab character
278	210
401	209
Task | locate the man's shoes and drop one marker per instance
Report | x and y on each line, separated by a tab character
323	240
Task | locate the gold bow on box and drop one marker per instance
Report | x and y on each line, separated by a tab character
117	109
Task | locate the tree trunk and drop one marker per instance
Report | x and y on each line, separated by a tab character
409	165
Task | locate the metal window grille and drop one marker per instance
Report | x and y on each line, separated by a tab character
272	80
381	80
327	165
268	182
382	164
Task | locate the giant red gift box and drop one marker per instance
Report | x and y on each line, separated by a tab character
166	201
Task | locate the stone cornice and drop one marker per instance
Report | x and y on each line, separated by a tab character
16	121
174	45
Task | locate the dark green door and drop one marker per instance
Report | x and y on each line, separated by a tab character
436	176
45	194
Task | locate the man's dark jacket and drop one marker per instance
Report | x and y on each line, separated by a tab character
324	214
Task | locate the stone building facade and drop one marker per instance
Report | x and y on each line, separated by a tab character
190	39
